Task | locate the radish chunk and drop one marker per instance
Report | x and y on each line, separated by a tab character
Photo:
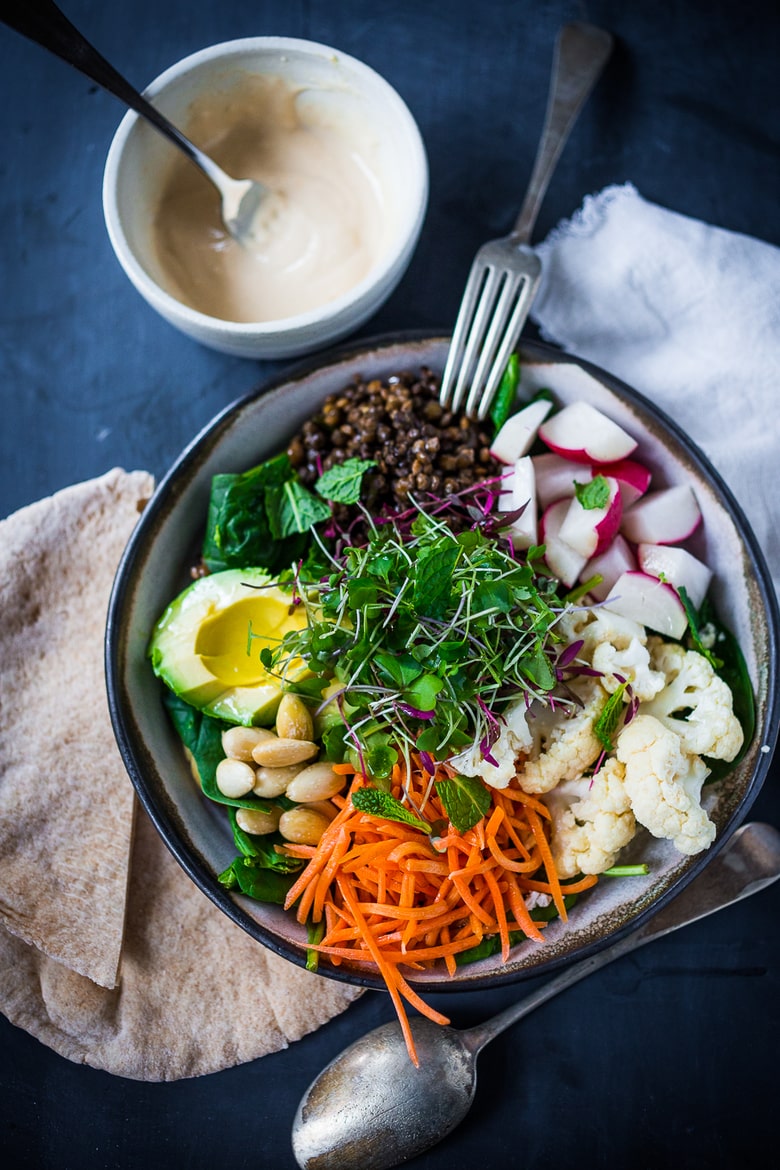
652	603
583	434
561	559
523	530
590	530
518	433
506	494
609	565
663	517
633	477
555	477
678	567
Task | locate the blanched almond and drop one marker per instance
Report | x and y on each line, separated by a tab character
293	719
273	781
315	782
254	820
238	742
303	826
278	753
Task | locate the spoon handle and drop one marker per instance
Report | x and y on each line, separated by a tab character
43	22
748	862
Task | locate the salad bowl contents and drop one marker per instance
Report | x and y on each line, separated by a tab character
461	701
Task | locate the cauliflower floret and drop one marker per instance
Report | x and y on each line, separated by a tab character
663	783
565	745
710	727
619	647
591	821
513	739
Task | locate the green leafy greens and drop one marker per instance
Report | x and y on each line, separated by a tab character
431	633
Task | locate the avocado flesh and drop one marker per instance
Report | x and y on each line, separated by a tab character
206	645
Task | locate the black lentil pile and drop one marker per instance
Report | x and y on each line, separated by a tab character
418	445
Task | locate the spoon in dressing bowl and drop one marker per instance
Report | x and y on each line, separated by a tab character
43	22
371	1109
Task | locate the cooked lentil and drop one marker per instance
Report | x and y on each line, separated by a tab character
418	445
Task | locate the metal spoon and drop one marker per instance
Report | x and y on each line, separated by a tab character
371	1108
43	22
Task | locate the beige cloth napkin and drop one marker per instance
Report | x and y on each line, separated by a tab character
109	954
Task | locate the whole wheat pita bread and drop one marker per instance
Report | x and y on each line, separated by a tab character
194	993
58	843
197	994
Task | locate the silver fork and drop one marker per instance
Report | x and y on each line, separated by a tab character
505	274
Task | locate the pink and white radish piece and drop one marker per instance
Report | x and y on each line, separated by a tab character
618	558
590	531
583	434
662	517
519	432
650	602
561	558
556	476
519	491
678	567
633	477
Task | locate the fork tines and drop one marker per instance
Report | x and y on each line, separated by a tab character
498	295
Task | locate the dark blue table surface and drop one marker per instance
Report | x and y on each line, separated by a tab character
666	1058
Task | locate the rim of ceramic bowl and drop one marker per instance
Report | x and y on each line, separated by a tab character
381	275
140	765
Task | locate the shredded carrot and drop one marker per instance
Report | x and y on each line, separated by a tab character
392	896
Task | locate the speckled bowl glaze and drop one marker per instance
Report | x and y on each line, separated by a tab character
153	570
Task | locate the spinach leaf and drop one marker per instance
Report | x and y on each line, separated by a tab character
201	735
262	848
238	527
264	885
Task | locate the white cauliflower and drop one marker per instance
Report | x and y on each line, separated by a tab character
565	744
514	738
618	647
663	783
709	726
591	821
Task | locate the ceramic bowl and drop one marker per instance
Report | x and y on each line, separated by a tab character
153	571
337	90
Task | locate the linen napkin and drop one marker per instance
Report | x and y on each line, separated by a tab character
689	315
109	954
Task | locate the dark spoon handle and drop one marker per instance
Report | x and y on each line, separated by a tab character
43	22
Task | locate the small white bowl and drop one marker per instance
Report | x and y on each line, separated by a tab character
140	159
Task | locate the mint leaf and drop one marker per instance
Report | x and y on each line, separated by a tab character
608	721
433	578
342	483
466	800
594	494
293	508
381	804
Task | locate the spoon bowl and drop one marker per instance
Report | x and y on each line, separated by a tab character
371	1108
43	22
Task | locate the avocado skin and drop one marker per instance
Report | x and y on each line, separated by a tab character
175	661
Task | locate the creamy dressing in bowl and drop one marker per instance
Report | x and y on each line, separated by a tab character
317	235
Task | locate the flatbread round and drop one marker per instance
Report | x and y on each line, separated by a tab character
109	954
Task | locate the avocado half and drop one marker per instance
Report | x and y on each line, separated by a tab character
206	645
